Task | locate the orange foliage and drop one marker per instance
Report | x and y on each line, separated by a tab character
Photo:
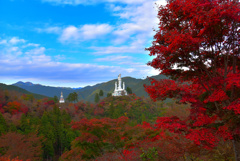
13	144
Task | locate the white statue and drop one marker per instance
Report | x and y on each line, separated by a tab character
119	77
119	91
119	81
115	86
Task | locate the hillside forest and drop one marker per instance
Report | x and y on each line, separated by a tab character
116	128
197	47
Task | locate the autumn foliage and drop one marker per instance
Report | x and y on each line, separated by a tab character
197	46
17	145
116	128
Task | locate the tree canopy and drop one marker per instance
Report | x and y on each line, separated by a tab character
197	45
96	99
101	93
129	90
72	97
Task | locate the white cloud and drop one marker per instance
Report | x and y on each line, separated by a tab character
135	47
114	50
70	33
93	31
16	40
73	34
31	45
85	32
51	29
59	57
114	58
3	42
36	51
13	50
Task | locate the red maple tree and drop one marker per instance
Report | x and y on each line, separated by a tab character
197	45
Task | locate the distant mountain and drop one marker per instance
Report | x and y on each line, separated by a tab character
88	93
44	90
20	83
20	90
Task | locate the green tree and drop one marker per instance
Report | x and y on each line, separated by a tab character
75	97
3	124
109	94
72	97
48	149
129	90
96	98
46	130
57	132
55	99
101	93
25	126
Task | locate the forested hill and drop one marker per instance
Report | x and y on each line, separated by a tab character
20	90
88	93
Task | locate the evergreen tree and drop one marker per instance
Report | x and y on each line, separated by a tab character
25	126
70	136
72	97
129	90
75	97
101	93
55	99
3	124
96	98
46	130
48	148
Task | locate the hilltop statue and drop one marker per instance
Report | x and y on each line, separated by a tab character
119	91
119	77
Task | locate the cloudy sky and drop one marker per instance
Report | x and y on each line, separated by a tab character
74	43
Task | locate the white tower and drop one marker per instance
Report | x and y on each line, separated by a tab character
61	98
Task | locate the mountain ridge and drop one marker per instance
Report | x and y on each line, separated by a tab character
42	89
88	93
21	90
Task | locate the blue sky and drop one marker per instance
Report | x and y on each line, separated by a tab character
74	43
